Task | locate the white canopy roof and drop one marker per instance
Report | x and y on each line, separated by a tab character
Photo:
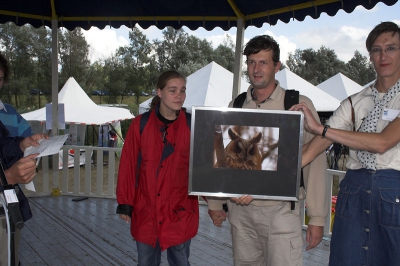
340	86
369	84
80	109
322	101
209	86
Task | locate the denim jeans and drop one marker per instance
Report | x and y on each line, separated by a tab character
366	230
177	255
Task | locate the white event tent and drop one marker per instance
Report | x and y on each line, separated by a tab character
80	109
340	86
212	86
369	84
209	86
322	101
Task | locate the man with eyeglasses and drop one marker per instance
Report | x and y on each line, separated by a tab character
377	51
269	232
366	229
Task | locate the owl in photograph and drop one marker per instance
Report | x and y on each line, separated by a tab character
242	153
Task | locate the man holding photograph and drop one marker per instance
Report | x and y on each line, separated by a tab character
269	232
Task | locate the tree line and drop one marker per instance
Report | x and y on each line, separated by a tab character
134	68
130	69
318	66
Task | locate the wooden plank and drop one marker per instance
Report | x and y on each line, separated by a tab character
80	220
89	232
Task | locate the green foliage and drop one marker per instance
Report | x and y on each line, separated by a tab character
15	48
74	57
360	70
315	66
42	50
224	54
135	63
187	53
134	68
95	77
318	66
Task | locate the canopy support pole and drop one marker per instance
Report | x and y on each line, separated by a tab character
54	98
237	70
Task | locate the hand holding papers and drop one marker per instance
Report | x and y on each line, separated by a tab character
46	147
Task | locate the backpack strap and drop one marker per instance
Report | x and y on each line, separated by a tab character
352	113
291	98
189	120
239	100
143	121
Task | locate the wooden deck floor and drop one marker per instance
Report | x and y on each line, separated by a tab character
88	232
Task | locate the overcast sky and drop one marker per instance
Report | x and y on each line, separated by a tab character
344	33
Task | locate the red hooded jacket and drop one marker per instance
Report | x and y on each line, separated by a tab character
162	208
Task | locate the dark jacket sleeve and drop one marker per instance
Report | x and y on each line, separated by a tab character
125	209
10	152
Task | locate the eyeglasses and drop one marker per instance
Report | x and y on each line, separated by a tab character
253	63
390	50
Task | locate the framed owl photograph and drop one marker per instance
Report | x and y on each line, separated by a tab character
235	152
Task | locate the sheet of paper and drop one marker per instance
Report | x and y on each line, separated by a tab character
46	147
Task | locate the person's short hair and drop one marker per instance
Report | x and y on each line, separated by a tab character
383	27
262	42
4	67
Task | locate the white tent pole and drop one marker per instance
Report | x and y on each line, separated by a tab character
54	98
82	134
237	71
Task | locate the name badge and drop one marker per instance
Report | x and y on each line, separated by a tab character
390	114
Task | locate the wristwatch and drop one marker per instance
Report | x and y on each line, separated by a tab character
324	131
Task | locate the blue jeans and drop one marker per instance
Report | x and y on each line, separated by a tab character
366	230
177	255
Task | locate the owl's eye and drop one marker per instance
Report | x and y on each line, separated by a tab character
237	149
251	151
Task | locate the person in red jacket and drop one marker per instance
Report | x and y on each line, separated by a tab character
152	186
